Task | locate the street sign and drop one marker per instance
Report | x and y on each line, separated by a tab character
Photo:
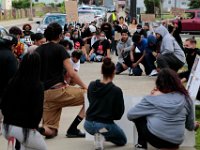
177	11
148	17
71	10
194	79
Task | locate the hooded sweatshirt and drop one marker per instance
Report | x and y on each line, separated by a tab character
169	44
126	46
106	102
167	115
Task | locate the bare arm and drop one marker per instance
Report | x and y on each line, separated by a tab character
132	51
73	74
108	52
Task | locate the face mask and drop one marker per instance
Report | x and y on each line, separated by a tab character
75	36
138	30
66	38
189	50
102	38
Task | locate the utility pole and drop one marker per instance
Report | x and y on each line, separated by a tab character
175	3
133	9
31	11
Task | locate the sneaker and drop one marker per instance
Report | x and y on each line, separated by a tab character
75	134
130	71
98	141
139	147
153	73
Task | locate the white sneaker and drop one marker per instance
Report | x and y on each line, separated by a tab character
98	141
153	73
139	147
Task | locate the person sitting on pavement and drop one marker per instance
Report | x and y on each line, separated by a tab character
79	44
162	116
68	46
171	55
100	49
106	104
57	93
75	62
124	47
22	104
140	53
141	31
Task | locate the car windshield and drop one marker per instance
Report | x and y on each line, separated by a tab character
189	15
60	19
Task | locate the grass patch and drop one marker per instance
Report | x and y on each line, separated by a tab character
197	135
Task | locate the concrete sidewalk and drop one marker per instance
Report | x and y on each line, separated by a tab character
18	22
134	86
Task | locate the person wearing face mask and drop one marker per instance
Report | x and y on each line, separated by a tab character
141	31
67	36
107	29
100	49
191	51
79	45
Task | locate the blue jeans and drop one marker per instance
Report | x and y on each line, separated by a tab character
114	133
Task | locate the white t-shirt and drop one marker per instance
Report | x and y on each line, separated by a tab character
76	66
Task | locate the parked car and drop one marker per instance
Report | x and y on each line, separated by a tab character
49	18
101	11
190	21
96	15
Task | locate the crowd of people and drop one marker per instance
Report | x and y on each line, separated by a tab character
39	71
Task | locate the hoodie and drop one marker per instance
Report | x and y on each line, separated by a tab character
169	44
106	102
167	115
126	46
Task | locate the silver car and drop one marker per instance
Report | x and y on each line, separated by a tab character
49	18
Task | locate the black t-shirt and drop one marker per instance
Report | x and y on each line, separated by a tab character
78	43
52	57
100	47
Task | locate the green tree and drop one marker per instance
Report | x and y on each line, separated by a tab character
151	5
194	4
21	4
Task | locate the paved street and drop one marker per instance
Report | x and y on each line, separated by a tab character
133	86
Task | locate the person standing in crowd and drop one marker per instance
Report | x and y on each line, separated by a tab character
100	49
133	26
106	104
8	63
22	104
124	47
27	30
79	44
20	48
113	17
171	55
57	93
168	109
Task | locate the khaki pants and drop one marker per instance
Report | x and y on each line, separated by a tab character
56	99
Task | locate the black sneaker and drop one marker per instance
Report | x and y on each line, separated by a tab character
75	134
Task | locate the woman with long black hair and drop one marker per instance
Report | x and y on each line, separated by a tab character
162	116
22	104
